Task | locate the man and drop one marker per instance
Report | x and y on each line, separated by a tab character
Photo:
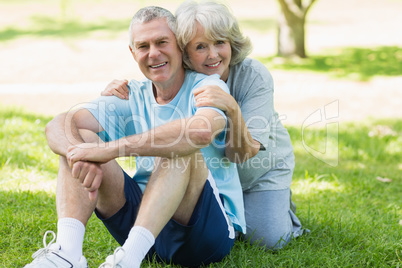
177	211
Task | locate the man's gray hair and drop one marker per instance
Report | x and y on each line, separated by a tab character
148	14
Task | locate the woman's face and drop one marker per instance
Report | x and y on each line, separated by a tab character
209	56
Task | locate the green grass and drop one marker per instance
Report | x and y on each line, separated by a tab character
348	62
353	217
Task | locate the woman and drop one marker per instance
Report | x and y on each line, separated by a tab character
212	43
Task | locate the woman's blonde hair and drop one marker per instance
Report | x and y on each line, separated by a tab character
218	23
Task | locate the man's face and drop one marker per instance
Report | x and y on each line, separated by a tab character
156	51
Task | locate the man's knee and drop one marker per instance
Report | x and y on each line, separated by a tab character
184	163
89	136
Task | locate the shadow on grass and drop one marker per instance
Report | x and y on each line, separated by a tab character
350	62
43	26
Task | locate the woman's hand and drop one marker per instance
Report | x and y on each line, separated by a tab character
91	152
117	88
214	96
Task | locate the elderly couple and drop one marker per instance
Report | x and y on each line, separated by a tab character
200	126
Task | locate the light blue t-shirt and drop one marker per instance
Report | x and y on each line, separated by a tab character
120	118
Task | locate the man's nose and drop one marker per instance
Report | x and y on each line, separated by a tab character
153	52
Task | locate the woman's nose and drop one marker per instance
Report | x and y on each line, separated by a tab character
213	53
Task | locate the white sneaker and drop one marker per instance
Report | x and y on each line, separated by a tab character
112	261
51	257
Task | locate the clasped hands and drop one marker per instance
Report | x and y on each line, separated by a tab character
85	161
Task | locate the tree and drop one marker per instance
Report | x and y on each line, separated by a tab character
291	27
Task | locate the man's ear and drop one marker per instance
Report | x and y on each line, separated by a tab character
132	52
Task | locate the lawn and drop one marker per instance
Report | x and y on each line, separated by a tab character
353	209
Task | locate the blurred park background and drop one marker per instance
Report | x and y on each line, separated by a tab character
341	106
55	53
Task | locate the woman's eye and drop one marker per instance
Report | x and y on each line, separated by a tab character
220	42
200	47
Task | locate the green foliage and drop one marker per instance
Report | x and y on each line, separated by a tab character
350	62
353	216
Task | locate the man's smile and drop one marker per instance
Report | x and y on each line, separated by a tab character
158	65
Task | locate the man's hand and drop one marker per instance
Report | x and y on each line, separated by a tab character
90	176
84	160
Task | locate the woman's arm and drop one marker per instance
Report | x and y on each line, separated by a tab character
240	146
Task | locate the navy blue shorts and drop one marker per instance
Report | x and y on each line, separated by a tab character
207	238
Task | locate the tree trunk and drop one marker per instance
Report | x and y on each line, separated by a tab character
291	31
291	38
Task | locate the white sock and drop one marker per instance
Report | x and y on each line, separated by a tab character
139	242
70	236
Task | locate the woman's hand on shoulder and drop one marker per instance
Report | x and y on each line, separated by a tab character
214	96
117	88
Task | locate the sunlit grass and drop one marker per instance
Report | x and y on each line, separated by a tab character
353	216
317	183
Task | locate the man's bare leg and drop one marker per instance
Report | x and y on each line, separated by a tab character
172	192
74	207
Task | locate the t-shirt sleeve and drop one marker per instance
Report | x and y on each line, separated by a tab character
256	102
212	80
113	114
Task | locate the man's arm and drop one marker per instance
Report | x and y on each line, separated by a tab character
63	130
177	138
